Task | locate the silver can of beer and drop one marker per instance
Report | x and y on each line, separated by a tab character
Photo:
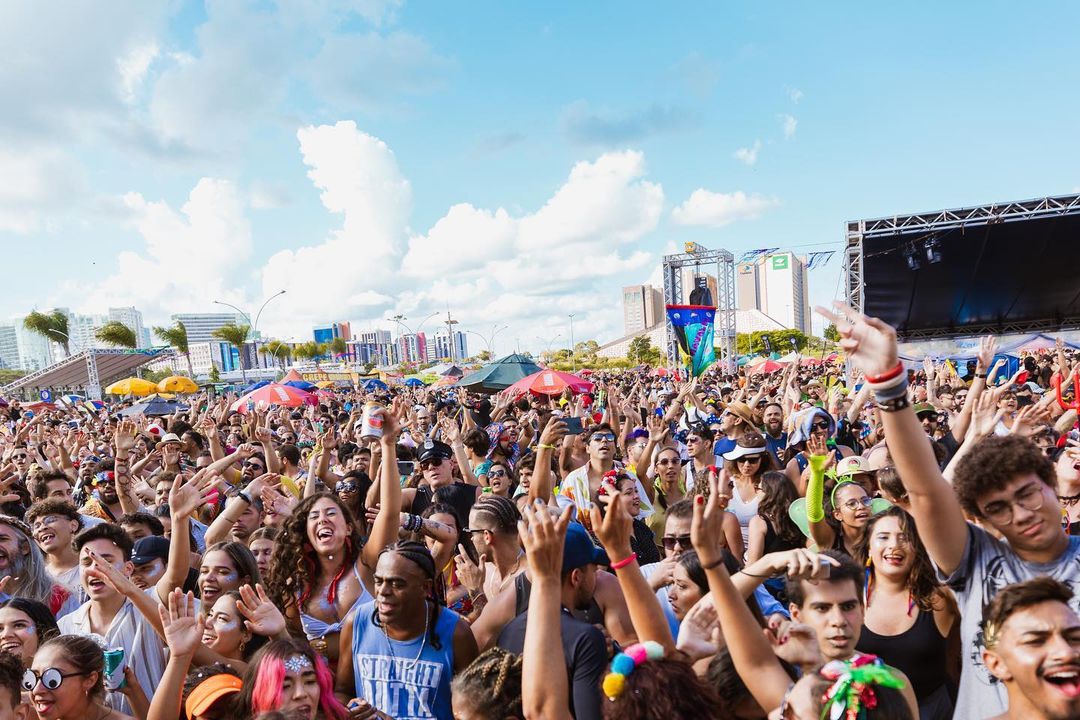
372	420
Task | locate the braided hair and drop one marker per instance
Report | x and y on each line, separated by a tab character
417	553
492	684
503	511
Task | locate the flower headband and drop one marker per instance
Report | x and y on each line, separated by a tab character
852	692
625	663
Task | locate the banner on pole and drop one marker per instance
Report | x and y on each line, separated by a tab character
693	327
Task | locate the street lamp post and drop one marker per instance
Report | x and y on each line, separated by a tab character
489	340
254	325
548	343
450	323
573	362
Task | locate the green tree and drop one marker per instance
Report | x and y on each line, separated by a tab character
642	352
51	326
586	349
278	350
176	336
831	333
368	367
10	376
215	374
338	347
483	356
310	350
237	336
117	334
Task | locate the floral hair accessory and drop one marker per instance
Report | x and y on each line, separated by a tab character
299	664
625	663
852	691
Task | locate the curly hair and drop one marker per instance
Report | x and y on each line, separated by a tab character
779	493
664	689
295	566
492	684
995	462
922	580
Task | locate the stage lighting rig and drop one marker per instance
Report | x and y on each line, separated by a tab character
933	250
911	257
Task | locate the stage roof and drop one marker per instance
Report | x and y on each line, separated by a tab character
1006	268
73	372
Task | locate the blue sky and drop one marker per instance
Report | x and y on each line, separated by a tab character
518	162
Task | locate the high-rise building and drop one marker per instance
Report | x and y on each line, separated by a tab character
449	347
413	348
9	348
643	307
332	331
374	346
133	319
200	326
81	329
35	352
778	286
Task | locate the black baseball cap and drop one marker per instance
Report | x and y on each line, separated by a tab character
149	549
434	449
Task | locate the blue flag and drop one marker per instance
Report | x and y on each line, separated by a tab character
693	327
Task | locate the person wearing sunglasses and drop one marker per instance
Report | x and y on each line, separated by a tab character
841	522
436	461
581	487
744	467
66	681
811	423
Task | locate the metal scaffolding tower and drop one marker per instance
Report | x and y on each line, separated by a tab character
697	256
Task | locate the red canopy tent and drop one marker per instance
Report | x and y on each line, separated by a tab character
549	382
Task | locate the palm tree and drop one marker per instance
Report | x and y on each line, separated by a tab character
117	334
280	351
51	326
237	336
177	337
310	350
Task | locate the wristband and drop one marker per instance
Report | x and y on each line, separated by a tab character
714	564
894	404
244	496
981	375
624	562
887	375
888	393
546	446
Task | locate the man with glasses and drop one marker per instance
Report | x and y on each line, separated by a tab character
436	461
1004	481
581	487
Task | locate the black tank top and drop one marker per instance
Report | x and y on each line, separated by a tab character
919	653
593	615
775	543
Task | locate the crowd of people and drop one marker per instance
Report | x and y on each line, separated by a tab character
860	541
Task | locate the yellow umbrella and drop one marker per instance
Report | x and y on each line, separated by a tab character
132	386
177	384
323	384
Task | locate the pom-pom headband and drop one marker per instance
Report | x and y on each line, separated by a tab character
625	663
852	691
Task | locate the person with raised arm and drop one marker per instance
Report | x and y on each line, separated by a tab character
1004	481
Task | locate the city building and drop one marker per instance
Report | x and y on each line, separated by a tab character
201	326
332	331
777	285
9	348
133	319
643	307
449	347
413	348
374	346
35	352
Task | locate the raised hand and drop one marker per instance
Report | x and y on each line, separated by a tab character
124	438
469	573
182	625
870	343
699	630
263	434
985	416
615	527
543	538
109	575
186	498
658	429
262	616
707	525
988	346
817	447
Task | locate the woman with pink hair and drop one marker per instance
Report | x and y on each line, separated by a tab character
287	675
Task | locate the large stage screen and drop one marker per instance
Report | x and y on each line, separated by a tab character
988	274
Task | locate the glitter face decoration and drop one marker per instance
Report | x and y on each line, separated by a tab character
298	664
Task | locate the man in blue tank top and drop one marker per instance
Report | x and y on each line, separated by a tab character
399	652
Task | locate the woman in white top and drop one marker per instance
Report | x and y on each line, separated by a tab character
744	467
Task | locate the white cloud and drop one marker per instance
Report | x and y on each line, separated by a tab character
748	155
712	209
789	123
134	67
190	257
268	196
795	95
41	187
